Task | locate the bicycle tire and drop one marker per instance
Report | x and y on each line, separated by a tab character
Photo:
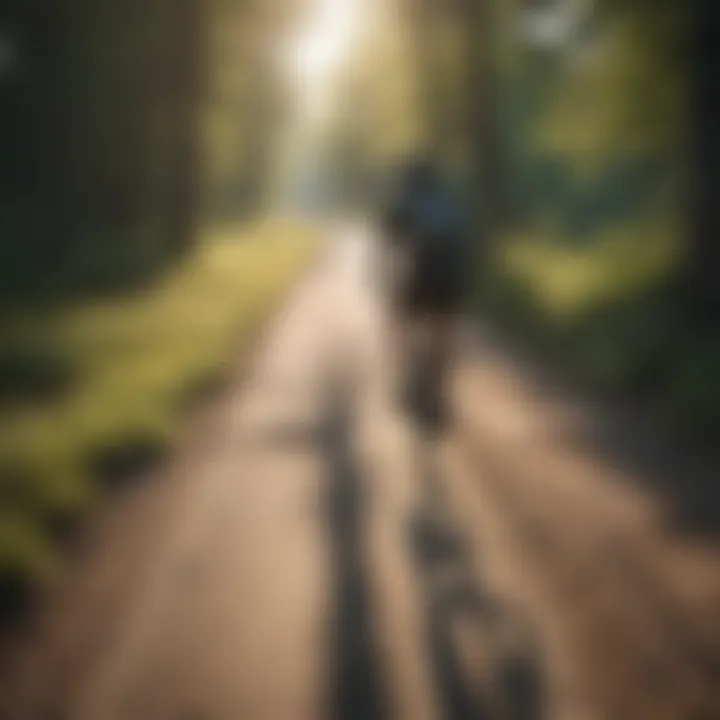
422	393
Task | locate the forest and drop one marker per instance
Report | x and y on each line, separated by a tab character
134	134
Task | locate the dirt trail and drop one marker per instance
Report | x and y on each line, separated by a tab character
285	565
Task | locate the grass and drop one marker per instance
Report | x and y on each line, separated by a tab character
608	309
566	282
107	383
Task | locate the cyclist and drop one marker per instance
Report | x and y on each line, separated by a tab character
425	227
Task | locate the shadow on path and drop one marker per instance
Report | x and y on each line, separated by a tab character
482	655
357	691
622	433
503	684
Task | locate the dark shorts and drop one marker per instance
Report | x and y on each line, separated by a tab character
435	286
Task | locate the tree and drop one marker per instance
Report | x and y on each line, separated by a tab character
704	269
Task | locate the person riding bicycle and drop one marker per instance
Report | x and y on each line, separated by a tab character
424	224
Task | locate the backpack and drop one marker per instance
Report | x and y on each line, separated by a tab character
436	235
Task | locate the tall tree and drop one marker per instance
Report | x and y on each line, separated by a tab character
704	273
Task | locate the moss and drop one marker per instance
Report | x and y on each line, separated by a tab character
25	561
137	361
611	309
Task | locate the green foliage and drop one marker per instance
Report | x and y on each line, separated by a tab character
610	309
596	145
120	122
134	360
33	368
569	281
692	390
249	91
25	561
103	106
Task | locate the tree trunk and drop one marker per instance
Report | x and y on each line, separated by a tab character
422	17
704	275
483	136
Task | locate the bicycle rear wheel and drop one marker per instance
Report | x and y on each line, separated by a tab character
422	391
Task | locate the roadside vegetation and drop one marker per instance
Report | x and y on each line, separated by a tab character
94	391
600	249
584	132
127	130
609	309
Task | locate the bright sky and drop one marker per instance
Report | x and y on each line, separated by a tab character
552	26
324	44
322	47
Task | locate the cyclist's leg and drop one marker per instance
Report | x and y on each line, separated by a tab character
398	329
441	328
445	321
